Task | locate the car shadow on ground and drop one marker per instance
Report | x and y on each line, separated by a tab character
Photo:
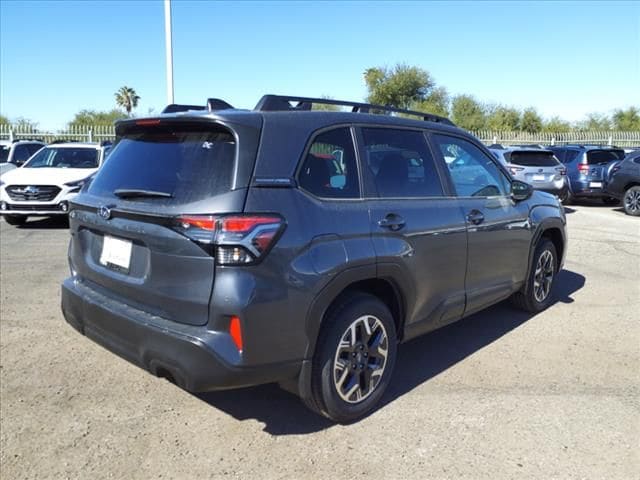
419	360
47	223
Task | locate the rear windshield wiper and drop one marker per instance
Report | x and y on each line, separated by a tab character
133	193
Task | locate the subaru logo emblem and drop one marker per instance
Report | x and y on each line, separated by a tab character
31	190
104	212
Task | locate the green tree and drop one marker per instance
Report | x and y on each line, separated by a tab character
127	98
468	113
94	117
436	102
328	108
400	87
4	120
628	119
531	121
595	121
505	119
556	125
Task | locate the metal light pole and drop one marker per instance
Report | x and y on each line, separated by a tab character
169	49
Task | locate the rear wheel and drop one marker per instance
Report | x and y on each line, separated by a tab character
16	220
631	201
535	295
354	358
566	197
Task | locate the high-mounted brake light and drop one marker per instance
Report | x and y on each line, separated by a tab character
147	122
233	239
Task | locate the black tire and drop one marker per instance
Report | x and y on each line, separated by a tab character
610	201
330	384
631	201
566	197
531	298
15	220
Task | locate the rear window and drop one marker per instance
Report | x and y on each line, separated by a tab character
565	155
532	159
595	157
188	164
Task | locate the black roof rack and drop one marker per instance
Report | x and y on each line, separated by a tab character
212	105
270	103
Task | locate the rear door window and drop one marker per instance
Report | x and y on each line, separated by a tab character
533	159
180	164
401	163
595	157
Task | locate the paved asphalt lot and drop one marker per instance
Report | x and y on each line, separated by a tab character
498	395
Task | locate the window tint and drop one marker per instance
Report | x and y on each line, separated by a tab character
34	147
64	157
604	156
329	170
21	153
533	159
401	163
189	163
474	174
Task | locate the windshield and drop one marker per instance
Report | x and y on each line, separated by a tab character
177	164
4	153
64	157
533	159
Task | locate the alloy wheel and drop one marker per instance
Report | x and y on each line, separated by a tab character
360	359
543	276
632	201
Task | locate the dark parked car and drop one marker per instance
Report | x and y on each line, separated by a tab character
625	183
587	167
225	248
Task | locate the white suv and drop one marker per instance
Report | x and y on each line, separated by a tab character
44	185
14	153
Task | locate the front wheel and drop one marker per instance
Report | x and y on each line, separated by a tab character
631	201
15	220
354	358
535	295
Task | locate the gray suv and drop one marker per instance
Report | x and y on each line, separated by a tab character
224	248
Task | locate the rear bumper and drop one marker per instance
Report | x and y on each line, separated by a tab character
583	189
197	358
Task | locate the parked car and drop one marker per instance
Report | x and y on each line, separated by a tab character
625	183
538	167
14	153
587	166
46	183
226	248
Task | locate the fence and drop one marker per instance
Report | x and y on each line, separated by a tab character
77	133
98	133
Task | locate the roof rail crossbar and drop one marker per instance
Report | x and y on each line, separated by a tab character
284	103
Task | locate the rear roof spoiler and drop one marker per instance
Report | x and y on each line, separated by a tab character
212	105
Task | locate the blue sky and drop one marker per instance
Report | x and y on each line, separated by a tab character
564	59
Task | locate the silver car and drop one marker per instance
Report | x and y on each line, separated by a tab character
537	167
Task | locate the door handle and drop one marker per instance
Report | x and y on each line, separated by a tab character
392	221
476	217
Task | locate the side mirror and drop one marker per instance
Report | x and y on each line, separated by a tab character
520	190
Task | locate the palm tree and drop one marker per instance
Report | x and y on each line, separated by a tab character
127	98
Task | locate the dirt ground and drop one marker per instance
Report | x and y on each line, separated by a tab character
499	395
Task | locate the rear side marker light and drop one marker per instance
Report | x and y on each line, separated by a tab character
232	239
235	330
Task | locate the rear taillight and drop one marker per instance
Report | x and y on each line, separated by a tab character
515	170
561	170
233	239
583	169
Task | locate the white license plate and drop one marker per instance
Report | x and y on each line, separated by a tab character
116	252
538	178
595	184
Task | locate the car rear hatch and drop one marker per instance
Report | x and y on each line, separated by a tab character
130	228
595	168
535	166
